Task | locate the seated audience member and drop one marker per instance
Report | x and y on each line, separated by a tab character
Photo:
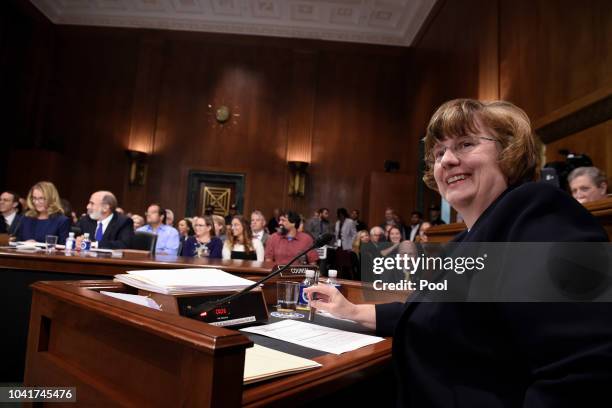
219	224
185	229
377	234
233	211
359	224
44	215
240	243
258	226
284	245
167	236
106	228
10	208
169	217
395	238
138	221
422	237
588	184
204	243
416	219
273	223
435	215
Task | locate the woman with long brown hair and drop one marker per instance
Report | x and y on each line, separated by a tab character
240	243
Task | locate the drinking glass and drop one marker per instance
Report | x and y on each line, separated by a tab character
50	243
287	296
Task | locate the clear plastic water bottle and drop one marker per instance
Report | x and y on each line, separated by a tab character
70	242
332	278
86	243
308	281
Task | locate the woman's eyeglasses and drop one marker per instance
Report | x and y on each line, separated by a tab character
460	148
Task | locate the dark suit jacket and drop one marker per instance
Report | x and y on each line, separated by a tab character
507	354
4	229
118	234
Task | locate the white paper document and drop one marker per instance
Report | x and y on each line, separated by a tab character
313	336
262	363
139	300
183	281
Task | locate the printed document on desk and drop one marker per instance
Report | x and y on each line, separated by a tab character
183	281
313	336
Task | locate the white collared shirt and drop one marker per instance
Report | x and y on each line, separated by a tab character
105	223
9	219
258	235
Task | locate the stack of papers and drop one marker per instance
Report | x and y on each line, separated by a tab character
313	336
137	299
28	246
262	363
183	281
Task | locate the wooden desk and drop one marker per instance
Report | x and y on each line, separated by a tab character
120	354
20	269
106	266
601	209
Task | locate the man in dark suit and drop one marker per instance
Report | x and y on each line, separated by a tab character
106	228
10	208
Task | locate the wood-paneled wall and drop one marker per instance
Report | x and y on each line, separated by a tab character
543	56
90	93
112	89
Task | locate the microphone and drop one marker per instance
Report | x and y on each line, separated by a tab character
208	306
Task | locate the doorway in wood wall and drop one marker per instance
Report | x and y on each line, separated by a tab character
213	188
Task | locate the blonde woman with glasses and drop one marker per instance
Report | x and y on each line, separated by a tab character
44	215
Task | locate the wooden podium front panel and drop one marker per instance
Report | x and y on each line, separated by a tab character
117	353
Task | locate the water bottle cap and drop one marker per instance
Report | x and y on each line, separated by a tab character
86	235
71	234
332	273
310	273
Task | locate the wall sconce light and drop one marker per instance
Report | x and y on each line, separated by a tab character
138	167
297	178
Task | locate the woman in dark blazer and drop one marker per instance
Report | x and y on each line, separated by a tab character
482	158
44	215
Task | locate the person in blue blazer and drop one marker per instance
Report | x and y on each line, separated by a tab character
483	159
44	215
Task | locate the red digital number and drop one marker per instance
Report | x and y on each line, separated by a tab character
221	311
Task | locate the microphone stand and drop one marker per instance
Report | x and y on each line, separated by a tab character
208	306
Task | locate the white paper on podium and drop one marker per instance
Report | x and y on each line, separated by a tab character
139	300
313	336
183	281
262	363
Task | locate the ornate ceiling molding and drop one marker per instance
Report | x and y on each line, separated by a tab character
383	22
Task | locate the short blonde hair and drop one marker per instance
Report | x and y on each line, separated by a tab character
508	124
54	206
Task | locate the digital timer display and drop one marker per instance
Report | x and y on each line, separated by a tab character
221	311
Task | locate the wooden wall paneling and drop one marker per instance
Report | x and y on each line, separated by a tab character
89	109
596	142
302	101
144	112
553	53
387	190
359	122
252	82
